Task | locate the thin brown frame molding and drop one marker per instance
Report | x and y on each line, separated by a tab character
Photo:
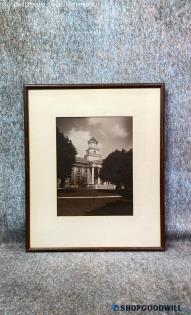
31	87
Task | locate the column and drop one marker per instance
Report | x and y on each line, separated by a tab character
98	180
89	176
92	175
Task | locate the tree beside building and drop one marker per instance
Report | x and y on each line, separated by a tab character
66	157
117	168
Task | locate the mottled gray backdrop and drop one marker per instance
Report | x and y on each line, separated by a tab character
94	41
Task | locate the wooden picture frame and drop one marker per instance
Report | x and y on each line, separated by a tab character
62	213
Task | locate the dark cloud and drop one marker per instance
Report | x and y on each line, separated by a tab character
111	132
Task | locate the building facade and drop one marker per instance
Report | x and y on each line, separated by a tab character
85	172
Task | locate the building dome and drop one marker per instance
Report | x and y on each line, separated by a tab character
93	151
92	140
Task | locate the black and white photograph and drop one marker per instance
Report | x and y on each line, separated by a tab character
95	177
94	166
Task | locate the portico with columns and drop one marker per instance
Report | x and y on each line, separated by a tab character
95	179
85	172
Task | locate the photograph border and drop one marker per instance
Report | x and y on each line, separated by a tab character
28	87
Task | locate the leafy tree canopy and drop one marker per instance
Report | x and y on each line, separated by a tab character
66	156
117	168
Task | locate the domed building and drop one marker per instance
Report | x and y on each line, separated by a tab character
85	172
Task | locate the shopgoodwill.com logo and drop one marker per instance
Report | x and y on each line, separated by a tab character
146	308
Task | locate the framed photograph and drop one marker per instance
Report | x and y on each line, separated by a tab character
94	161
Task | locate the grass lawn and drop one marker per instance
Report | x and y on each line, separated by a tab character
92	202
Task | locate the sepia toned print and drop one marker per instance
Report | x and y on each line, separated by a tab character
94	166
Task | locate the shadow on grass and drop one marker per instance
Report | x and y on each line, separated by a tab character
66	190
119	207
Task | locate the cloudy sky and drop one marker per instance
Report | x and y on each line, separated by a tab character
112	133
